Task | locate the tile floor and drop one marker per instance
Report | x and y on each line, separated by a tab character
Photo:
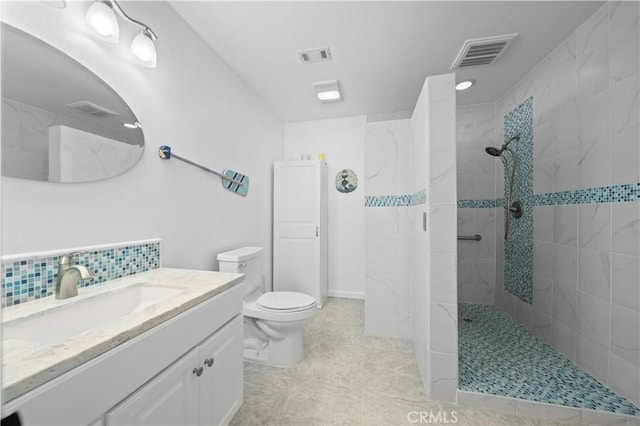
500	357
348	378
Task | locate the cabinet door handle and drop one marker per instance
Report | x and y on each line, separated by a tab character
208	362
316	231
198	371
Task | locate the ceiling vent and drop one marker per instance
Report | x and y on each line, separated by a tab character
315	55
92	109
482	51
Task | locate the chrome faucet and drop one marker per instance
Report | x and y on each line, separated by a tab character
68	276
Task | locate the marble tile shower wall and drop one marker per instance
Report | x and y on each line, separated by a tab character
410	270
33	277
586	283
440	143
388	229
476	180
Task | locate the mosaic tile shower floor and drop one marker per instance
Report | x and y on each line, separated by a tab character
497	356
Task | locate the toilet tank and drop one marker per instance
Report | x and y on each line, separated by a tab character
247	261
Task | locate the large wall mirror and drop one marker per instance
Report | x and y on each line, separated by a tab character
60	122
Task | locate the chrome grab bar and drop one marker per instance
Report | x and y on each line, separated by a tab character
476	237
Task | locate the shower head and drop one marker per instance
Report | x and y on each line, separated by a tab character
492	150
497	152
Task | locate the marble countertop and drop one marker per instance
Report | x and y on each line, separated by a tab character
27	365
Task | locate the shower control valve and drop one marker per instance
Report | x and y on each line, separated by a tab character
516	209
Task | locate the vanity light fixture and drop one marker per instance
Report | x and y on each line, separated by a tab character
143	49
102	18
464	85
327	91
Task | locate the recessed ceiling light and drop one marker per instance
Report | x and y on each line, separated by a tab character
327	91
464	85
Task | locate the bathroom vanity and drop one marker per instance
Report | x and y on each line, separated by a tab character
160	347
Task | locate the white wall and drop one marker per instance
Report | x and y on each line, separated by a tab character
193	102
342	141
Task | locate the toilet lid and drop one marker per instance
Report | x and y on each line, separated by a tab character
285	301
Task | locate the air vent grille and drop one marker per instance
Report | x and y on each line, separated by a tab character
311	56
92	109
482	51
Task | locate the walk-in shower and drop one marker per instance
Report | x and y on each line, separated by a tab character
515	207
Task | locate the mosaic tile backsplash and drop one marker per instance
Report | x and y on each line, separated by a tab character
31	279
498	356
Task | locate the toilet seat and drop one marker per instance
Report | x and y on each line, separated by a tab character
285	301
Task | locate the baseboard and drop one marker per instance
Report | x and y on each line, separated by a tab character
346	294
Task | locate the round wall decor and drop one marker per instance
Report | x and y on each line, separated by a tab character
346	181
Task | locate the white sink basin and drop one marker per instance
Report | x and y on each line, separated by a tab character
61	322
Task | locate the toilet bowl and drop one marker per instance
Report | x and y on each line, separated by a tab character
273	321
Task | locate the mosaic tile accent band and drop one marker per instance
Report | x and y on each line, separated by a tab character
479	204
415	199
624	193
498	356
518	247
31	279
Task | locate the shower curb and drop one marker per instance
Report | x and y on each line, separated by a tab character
561	413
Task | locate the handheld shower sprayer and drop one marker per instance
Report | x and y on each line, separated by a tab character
514	208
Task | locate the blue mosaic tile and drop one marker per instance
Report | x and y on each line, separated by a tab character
518	248
419	198
623	193
415	199
31	279
477	204
498	356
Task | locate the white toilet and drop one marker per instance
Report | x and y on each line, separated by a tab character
273	321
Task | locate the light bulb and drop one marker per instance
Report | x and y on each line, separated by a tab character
464	85
101	18
330	95
143	48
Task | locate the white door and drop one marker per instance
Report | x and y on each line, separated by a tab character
221	384
171	398
296	215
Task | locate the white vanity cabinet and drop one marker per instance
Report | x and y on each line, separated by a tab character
202	387
169	399
150	379
221	384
